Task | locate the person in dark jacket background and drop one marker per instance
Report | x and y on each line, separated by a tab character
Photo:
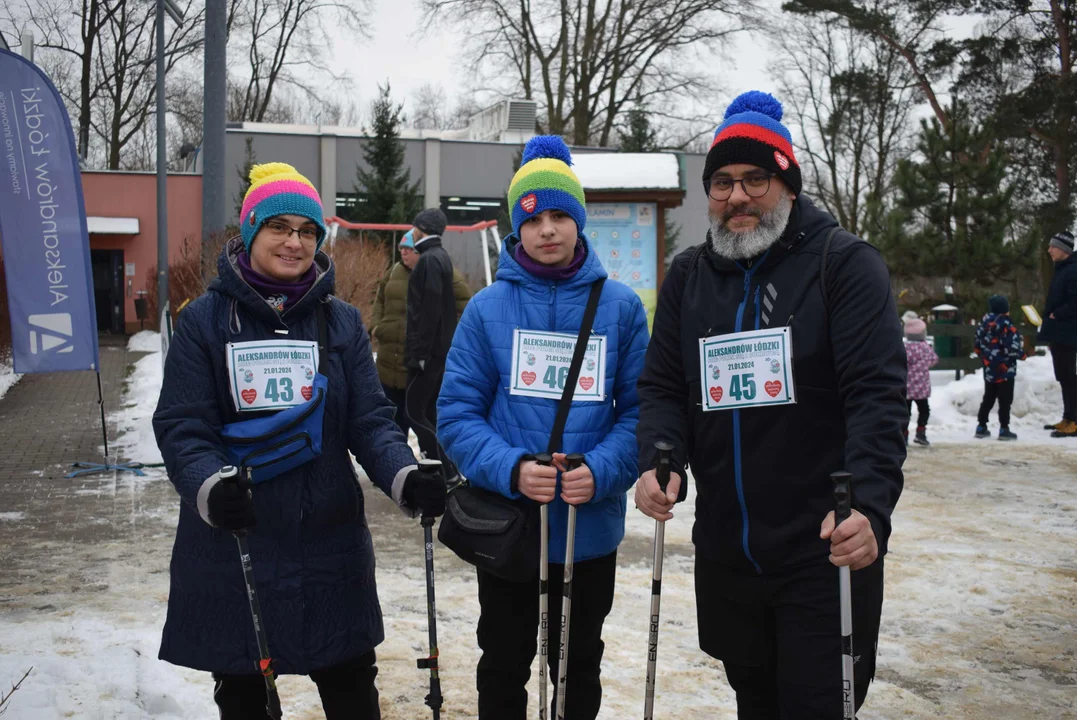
389	323
766	548
310	547
1059	329
431	324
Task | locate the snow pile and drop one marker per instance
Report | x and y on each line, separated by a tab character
134	419
604	171
7	373
145	341
1037	401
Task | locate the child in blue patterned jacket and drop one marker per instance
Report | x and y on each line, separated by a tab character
1000	346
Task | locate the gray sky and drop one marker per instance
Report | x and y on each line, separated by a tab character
399	52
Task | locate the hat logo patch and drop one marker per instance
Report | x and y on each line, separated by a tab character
252	218
782	160
528	203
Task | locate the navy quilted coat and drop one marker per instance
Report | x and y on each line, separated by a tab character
486	430
311	549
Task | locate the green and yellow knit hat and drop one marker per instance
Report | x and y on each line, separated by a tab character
546	182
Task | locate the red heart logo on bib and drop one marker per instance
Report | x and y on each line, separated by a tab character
587	382
249	395
528	203
716	394
528	377
307	392
773	388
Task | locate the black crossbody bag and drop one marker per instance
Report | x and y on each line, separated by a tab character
493	532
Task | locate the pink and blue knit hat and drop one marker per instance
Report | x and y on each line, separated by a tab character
278	189
752	133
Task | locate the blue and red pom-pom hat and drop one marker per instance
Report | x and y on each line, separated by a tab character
752	133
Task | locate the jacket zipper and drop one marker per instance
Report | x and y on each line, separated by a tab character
748	273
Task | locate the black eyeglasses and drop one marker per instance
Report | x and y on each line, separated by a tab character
283	232
755	185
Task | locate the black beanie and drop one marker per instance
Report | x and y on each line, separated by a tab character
431	221
998	304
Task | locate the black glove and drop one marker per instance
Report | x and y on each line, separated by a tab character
229	505
425	491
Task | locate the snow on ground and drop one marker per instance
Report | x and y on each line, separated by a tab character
7	372
979	622
145	341
1037	402
133	420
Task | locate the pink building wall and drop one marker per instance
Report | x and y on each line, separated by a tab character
134	194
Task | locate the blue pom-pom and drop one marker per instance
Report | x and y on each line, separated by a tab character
755	101
547	146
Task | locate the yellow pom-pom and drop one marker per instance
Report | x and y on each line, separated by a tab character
268	170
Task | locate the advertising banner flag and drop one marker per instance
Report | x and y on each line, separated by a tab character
43	226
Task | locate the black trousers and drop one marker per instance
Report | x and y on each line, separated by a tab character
508	635
347	691
923	409
779	636
1065	362
421	408
397	396
1002	391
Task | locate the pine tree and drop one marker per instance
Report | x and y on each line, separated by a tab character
954	214
385	190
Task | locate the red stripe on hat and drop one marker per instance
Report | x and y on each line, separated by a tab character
755	132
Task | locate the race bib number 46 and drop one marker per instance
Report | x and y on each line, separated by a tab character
271	374
747	369
541	361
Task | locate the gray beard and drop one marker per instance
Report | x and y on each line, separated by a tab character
744	245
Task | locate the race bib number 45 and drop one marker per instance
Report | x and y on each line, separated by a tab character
747	369
541	361
271	374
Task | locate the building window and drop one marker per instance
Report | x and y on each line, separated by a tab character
470	210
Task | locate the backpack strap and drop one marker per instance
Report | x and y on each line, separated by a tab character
323	326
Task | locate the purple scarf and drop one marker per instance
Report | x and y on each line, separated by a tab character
545	272
280	295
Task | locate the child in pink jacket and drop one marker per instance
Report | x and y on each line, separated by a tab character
922	358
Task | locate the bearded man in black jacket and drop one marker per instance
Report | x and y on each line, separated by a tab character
430	328
776	360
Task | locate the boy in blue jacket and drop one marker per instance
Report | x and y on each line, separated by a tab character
496	411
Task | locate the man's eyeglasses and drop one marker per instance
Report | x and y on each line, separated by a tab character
755	185
280	231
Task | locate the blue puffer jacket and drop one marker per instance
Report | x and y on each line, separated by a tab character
311	549
486	430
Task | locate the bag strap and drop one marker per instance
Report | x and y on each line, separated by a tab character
574	369
822	267
323	328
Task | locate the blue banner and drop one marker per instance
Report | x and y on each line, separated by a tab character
43	226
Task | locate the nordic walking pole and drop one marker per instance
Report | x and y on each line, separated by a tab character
572	461
230	474
434	699
842	510
544	594
665	450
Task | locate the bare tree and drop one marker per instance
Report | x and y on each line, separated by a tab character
428	108
851	96
277	37
73	46
588	61
126	66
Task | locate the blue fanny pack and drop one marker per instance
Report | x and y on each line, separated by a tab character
268	446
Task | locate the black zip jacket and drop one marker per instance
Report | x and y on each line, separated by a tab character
1062	301
431	306
762	474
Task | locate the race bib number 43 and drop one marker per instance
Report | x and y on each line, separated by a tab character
747	369
541	361
271	374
